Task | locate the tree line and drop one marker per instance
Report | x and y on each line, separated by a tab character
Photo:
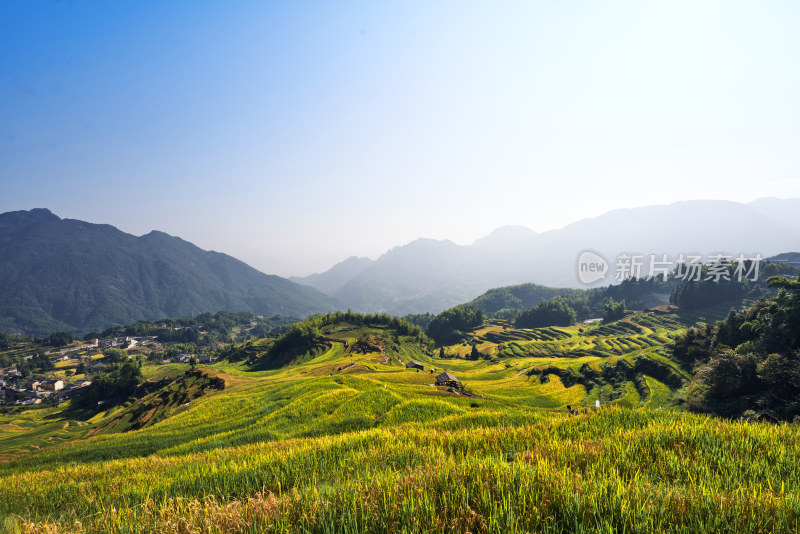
749	363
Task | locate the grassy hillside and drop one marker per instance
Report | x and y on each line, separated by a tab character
345	438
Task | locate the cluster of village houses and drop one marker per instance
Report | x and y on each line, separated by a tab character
199	358
14	391
18	391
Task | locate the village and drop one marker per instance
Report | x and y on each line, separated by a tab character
73	366
16	392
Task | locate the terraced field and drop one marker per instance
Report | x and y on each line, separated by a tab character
639	331
347	439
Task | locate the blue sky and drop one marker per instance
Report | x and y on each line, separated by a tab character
293	135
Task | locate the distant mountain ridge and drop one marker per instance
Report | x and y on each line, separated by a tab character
785	211
427	275
334	278
66	274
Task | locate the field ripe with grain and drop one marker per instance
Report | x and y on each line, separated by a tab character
342	437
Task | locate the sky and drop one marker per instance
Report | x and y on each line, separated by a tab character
293	135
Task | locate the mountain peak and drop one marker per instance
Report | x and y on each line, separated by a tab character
425	242
33	214
156	234
43	213
356	259
335	277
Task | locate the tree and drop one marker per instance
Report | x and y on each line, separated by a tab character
59	339
118	383
749	362
475	354
613	311
555	312
450	325
782	282
780	375
113	355
24	369
723	385
41	362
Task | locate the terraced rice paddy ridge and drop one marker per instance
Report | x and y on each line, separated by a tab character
347	439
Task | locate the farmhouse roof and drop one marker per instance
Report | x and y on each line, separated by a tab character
447	377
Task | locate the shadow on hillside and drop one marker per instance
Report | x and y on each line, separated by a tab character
709	314
293	355
80	409
263	365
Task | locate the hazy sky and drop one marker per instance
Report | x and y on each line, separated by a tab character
295	134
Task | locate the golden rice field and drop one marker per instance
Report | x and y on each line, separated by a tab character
354	442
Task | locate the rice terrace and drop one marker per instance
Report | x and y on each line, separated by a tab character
328	429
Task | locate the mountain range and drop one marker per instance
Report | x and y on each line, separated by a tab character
430	275
64	274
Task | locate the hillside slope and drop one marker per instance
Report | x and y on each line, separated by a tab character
64	274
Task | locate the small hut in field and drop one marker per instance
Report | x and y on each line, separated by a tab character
446	379
415	365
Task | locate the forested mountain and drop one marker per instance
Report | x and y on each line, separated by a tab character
71	275
518	297
64	274
689	295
